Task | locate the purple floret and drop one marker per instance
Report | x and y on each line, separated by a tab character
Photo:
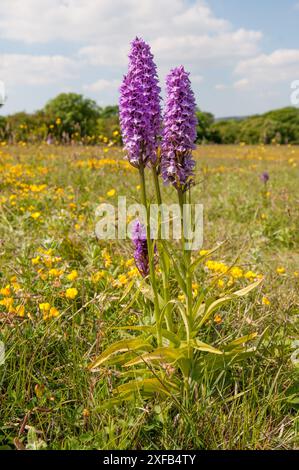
179	133
139	106
265	177
141	249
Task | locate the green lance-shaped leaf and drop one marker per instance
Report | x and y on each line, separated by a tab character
178	269
135	373
134	297
246	290
121	346
213	363
164	354
147	387
127	291
172	337
210	309
201	346
238	344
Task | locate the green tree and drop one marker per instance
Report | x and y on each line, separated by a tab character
205	121
109	112
225	132
72	114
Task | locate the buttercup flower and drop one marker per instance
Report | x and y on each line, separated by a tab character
179	131
139	106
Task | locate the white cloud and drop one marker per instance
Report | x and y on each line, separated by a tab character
195	48
42	21
200	13
239	84
279	66
99	32
221	86
47	20
24	69
104	54
187	49
196	79
176	29
102	85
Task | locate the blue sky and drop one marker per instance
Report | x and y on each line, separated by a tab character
242	56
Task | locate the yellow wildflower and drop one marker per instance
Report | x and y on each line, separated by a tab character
133	272
7	302
20	310
53	312
96	277
5	291
107	258
123	280
280	270
73	275
44	307
266	301
250	275
35	215
129	262
236	272
111	193
71	293
55	272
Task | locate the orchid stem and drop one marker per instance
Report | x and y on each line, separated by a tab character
165	270
150	245
187	262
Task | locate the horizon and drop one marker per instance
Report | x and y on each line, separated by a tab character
217	118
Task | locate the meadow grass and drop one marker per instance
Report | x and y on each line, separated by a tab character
63	291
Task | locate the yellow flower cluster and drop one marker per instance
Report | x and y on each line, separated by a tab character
47	262
71	293
106	258
8	301
111	163
48	311
235	272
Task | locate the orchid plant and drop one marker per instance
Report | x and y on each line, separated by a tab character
169	354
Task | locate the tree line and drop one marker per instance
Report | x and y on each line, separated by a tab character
71	117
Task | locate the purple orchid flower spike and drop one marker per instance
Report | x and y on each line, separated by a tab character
179	133
139	106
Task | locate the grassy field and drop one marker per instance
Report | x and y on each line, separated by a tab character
62	292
